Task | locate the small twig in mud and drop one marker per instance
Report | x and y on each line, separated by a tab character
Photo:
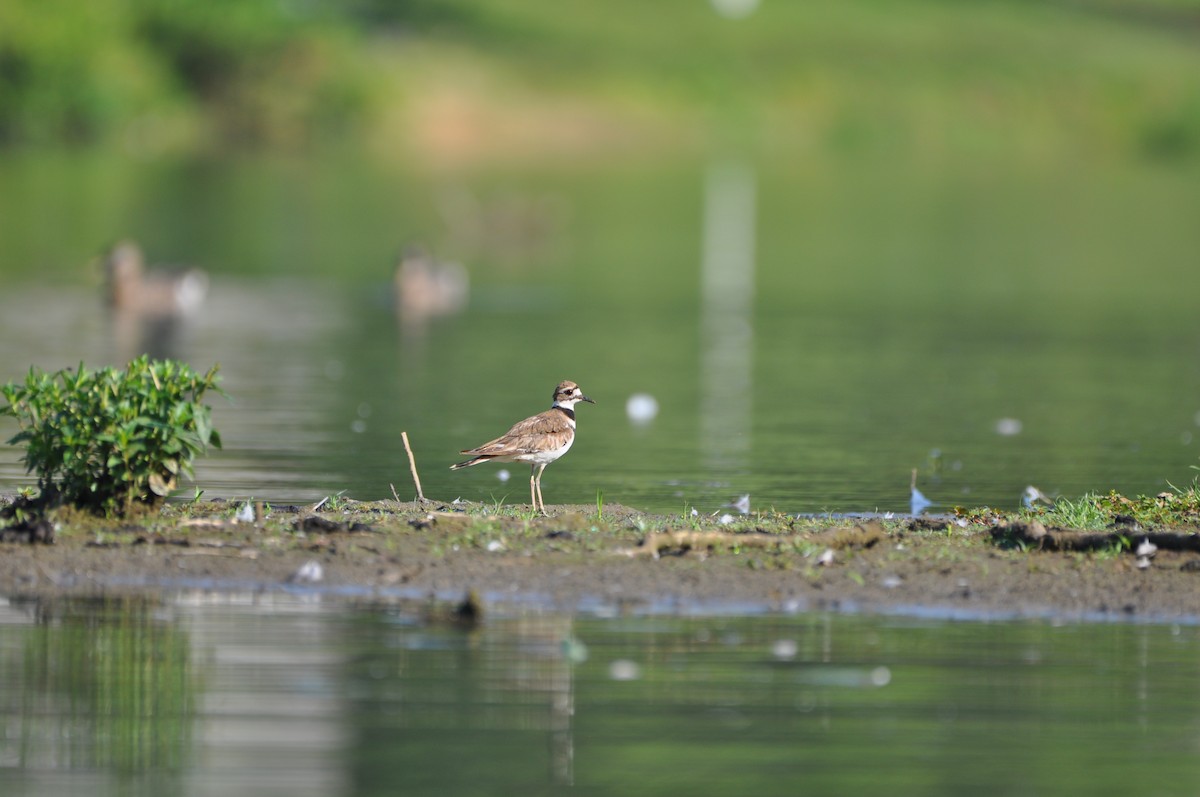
687	540
863	535
412	465
235	553
207	524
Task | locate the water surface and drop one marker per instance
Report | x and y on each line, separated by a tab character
811	335
271	694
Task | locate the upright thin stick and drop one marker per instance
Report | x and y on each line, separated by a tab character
412	465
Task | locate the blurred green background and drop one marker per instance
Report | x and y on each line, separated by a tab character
959	213
1092	80
895	127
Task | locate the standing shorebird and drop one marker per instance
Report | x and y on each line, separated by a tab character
538	440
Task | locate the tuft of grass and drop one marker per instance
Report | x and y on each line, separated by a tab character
1175	508
1081	513
335	503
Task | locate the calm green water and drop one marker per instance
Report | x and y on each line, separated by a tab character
811	331
273	694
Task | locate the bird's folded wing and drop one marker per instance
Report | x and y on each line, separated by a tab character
531	434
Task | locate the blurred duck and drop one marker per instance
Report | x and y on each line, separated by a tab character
130	288
426	288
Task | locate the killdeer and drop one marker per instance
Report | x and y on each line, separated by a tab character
538	440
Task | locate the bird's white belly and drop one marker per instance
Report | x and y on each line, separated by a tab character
544	457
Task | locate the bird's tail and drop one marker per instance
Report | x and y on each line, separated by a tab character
469	463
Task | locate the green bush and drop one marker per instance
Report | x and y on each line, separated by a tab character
108	439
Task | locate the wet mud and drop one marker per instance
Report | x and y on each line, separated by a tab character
617	560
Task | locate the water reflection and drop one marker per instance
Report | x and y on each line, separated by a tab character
98	685
794	358
262	695
727	305
437	705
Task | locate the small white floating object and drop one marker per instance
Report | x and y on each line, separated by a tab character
891	582
735	9
725	519
503	474
826	558
245	513
573	650
624	670
1009	427
358	426
695	512
784	649
309	573
495	546
641	408
1146	548
742	504
1143	562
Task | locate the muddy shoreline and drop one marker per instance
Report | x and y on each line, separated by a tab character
618	560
